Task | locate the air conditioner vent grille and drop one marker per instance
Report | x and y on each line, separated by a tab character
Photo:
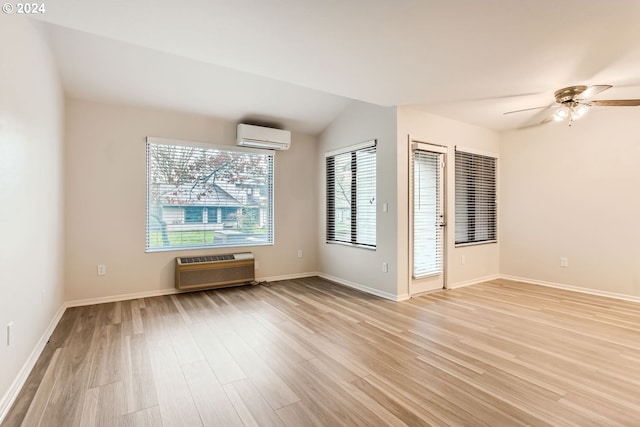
209	258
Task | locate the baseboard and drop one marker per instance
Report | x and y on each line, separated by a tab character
572	288
121	297
287	277
474	281
10	396
364	288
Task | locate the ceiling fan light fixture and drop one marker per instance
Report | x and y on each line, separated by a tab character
570	110
579	111
562	113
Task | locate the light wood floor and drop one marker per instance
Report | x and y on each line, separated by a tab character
309	352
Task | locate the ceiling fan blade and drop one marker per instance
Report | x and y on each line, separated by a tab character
529	109
536	124
617	103
592	91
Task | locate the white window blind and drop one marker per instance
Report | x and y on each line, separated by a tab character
207	197
476	210
427	214
351	196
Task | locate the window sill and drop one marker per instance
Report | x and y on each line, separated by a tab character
486	242
352	245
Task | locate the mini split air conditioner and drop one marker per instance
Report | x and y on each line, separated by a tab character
263	137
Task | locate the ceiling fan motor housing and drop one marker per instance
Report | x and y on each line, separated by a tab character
568	94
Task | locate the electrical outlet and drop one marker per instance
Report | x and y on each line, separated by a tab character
385	267
463	260
564	262
102	270
256	265
299	253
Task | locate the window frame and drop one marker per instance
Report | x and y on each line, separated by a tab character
491	229
330	178
269	186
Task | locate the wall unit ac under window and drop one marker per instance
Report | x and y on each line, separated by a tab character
214	271
263	137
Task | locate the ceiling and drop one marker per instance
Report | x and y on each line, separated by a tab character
299	63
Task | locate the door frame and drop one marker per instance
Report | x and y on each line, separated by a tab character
416	144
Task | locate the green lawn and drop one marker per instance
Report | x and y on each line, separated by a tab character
182	238
190	238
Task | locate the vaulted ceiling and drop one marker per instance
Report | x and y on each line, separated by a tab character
300	62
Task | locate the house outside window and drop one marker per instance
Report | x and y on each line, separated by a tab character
205	196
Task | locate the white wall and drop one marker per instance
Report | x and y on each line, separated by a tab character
574	192
31	196
481	261
105	212
360	267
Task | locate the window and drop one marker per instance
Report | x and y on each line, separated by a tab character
476	211
203	196
351	195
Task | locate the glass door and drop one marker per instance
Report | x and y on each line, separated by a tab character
427	218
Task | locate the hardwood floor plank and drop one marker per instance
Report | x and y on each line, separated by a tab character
354	394
137	375
213	404
149	417
111	405
67	397
250	404
241	408
412	414
136	317
220	361
90	408
604	412
108	347
126	317
317	345
176	404
317	396
178	305
43	394
270	385
297	414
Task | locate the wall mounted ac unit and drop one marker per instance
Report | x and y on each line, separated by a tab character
263	137
214	271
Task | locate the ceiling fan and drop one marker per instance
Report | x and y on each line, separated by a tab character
573	102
